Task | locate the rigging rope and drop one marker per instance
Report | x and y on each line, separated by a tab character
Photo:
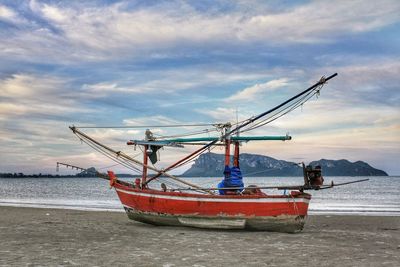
107	167
247	122
192	159
186	134
121	157
111	156
281	112
145	126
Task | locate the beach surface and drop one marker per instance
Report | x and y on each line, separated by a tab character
57	237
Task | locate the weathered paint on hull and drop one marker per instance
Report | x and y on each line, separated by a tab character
283	223
251	212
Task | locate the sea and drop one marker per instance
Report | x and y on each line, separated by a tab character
378	196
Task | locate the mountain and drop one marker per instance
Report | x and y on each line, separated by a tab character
344	167
91	172
212	165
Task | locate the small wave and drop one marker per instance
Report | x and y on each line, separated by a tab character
44	205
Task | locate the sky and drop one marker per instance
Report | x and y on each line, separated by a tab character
106	63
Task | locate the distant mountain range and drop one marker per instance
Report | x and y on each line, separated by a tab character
212	165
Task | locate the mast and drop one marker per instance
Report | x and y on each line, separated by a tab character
227	145
236	155
227	152
145	161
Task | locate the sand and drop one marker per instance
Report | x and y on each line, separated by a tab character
51	237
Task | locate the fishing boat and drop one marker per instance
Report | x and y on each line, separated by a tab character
228	205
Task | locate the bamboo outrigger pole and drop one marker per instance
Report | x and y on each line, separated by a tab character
322	81
98	174
283	187
123	155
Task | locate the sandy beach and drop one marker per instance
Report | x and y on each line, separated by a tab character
51	237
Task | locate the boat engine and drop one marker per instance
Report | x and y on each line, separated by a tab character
313	176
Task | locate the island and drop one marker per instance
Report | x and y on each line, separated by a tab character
212	165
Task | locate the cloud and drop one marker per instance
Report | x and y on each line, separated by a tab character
172	80
106	88
172	126
165	84
28	94
317	117
70	62
7	13
112	136
252	92
34	114
51	13
153	120
338	144
27	85
174	23
319	21
220	115
371	82
84	32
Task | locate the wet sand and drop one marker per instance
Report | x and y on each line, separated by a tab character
50	237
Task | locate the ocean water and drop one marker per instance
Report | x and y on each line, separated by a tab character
378	196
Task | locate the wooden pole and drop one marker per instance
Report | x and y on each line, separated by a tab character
283	187
236	155
145	161
227	152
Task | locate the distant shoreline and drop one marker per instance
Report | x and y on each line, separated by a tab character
21	175
7	175
180	176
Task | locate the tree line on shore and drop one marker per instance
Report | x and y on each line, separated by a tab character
40	175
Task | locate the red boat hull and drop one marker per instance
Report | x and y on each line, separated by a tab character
283	213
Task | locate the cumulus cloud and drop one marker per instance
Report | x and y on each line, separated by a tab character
256	90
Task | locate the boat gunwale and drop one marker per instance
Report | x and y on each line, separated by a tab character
182	194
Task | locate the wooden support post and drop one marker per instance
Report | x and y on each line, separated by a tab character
236	155
145	161
227	152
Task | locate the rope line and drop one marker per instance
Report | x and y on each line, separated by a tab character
145	126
